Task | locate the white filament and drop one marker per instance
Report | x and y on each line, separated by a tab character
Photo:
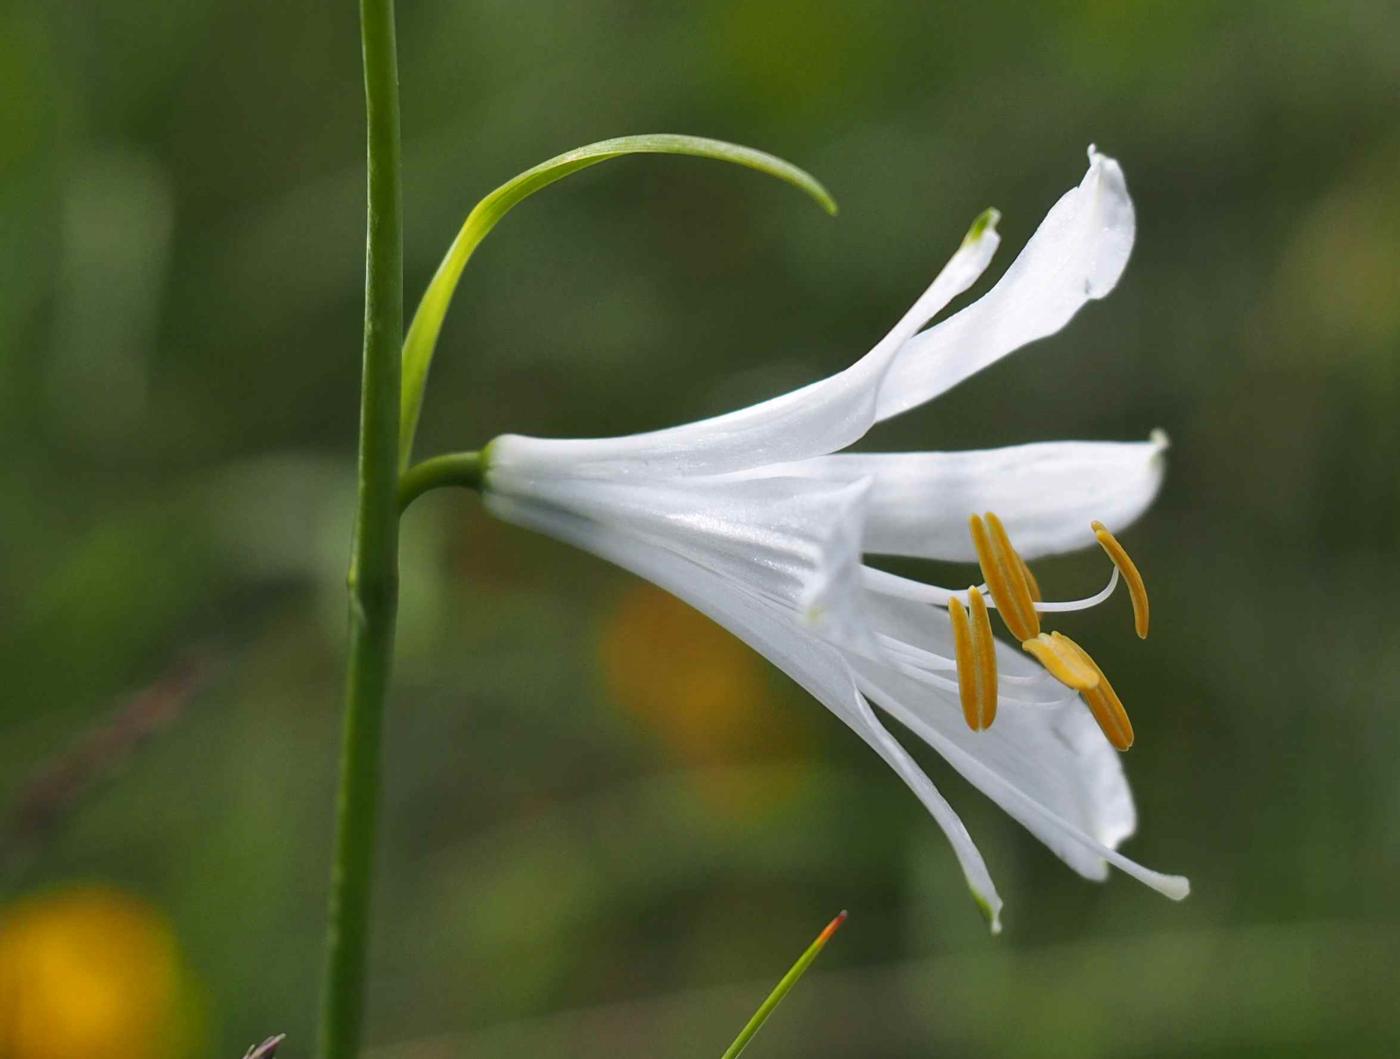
888	584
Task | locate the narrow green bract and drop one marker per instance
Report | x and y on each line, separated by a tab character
427	321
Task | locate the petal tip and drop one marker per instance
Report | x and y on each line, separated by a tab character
990	907
1105	191
985	225
1097	158
1173	887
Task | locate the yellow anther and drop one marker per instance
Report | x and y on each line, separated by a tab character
1032	585
1137	588
1019	570
1065	661
1002	570
975	652
984	654
1104	703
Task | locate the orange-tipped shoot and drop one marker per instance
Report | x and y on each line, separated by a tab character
831	928
781	989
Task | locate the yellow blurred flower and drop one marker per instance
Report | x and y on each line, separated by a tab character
88	973
704	694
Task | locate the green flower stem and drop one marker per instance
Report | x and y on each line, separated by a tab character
374	561
456	468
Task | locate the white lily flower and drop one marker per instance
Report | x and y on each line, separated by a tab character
756	519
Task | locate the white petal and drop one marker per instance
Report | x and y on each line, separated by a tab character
770	630
1046	493
775	535
821	417
833	599
1077	254
1050	769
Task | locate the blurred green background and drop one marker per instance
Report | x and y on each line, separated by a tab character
608	828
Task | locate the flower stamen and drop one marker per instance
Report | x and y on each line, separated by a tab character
1032	585
975	650
1081	604
1104	703
984	654
1137	588
1003	569
1065	661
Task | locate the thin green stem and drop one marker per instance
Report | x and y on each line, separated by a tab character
456	468
750	1030
373	579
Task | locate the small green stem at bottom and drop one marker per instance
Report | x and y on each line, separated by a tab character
788	980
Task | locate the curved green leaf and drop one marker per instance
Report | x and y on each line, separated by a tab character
427	321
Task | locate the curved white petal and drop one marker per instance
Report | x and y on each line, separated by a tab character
1049	769
1046	493
1076	255
770	630
821	417
832	600
774	535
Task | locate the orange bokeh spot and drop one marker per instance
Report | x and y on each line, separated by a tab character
704	694
87	973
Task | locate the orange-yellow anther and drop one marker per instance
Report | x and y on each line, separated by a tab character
1002	569
1032	585
1104	703
1066	662
984	655
1137	588
1029	588
974	650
